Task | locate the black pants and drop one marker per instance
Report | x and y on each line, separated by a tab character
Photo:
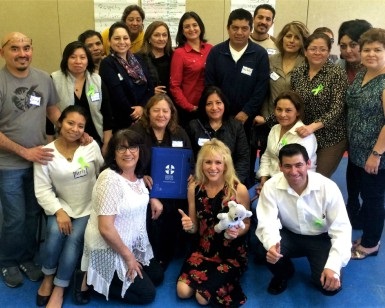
141	291
166	234
314	247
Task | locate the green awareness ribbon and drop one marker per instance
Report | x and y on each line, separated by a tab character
83	163
284	141
317	90
318	223
91	90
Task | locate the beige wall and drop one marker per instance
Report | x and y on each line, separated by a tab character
54	23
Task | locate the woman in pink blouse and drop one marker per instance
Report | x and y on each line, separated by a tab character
188	65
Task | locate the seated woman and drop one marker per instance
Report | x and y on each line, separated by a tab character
213	271
63	189
214	121
117	256
288	112
78	84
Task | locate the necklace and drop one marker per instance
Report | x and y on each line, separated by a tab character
135	186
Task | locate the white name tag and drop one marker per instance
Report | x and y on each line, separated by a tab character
247	70
201	141
95	97
274	76
271	51
34	100
177	144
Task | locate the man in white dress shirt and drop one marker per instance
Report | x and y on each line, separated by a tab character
302	214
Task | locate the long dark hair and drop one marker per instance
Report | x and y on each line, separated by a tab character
180	38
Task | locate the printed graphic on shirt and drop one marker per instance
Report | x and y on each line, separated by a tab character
25	98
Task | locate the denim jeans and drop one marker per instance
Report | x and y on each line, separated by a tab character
61	252
21	215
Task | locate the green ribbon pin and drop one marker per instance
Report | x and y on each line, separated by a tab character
284	141
318	223
317	90
91	90
83	163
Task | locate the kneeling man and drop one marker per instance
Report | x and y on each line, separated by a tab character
302	214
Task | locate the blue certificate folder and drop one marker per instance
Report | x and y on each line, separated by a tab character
170	169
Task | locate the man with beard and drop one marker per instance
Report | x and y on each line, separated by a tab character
94	43
264	15
27	96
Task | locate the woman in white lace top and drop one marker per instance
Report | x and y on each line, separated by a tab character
118	257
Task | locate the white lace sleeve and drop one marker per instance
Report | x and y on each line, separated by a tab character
108	193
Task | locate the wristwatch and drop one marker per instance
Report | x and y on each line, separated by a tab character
375	153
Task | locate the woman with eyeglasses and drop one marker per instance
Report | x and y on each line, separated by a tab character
322	86
159	128
118	256
348	36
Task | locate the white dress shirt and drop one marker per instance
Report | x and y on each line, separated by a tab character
319	209
269	161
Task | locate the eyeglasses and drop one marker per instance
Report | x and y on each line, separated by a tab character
352	45
315	49
26	40
121	149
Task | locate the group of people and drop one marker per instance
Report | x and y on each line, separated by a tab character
120	93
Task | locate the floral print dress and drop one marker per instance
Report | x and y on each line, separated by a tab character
214	269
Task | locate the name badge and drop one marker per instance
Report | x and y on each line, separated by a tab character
201	141
95	97
177	144
247	70
274	76
34	100
271	51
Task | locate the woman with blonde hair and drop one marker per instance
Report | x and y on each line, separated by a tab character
213	271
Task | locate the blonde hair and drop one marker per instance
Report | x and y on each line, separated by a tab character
217	147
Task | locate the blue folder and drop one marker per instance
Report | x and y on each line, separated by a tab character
170	169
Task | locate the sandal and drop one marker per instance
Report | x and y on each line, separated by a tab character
358	254
356	243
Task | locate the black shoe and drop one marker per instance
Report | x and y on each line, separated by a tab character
42	300
80	297
331	293
277	285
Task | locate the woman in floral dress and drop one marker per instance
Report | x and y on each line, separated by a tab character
212	272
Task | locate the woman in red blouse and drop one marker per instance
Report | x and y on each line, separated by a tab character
188	65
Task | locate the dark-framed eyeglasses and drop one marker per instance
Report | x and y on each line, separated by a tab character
121	149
